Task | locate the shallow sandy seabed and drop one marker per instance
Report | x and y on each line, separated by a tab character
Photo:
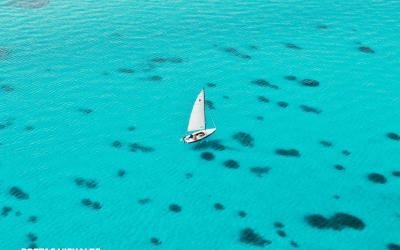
28	4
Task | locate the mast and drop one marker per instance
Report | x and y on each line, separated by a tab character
205	123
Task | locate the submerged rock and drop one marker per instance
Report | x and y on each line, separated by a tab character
289	152
245	139
393	136
292	46
310	109
392	246
263	99
231	164
264	83
291	78
283	104
18	193
242	214
338	222
326	143
260	170
248	236
366	50
126	71
175	208
155	241
377	178
310	83
207	156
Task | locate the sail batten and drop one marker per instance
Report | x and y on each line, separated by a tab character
197	117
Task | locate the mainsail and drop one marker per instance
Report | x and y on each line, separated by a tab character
198	118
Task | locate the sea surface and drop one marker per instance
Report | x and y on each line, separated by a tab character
95	96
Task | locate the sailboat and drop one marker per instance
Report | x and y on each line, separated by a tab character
197	121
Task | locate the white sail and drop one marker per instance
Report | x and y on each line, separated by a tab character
197	118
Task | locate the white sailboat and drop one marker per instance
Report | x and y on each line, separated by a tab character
197	121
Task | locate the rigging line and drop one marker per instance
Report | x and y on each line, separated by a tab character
211	116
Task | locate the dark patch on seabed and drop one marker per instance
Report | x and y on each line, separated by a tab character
18	193
322	27
232	164
175	208
144	201
310	83
242	214
310	109
392	246
245	139
155	241
278	225
207	156
377	178
345	152
281	233
264	83
136	146
293	46
396	173
31	237
260	118
32	246
210	104
393	136
5	211
339	167
337	222
282	104
126	71
326	143
211	85
121	173
366	50
33	219
85	111
288	152
219	206
248	236
90	184
7	88
88	203
291	78
259	171
116	144
263	99
6	124
156	78
294	244
214	144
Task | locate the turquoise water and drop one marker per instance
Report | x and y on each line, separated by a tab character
62	73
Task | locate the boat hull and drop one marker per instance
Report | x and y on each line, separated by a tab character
207	133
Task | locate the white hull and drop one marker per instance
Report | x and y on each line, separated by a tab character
207	133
